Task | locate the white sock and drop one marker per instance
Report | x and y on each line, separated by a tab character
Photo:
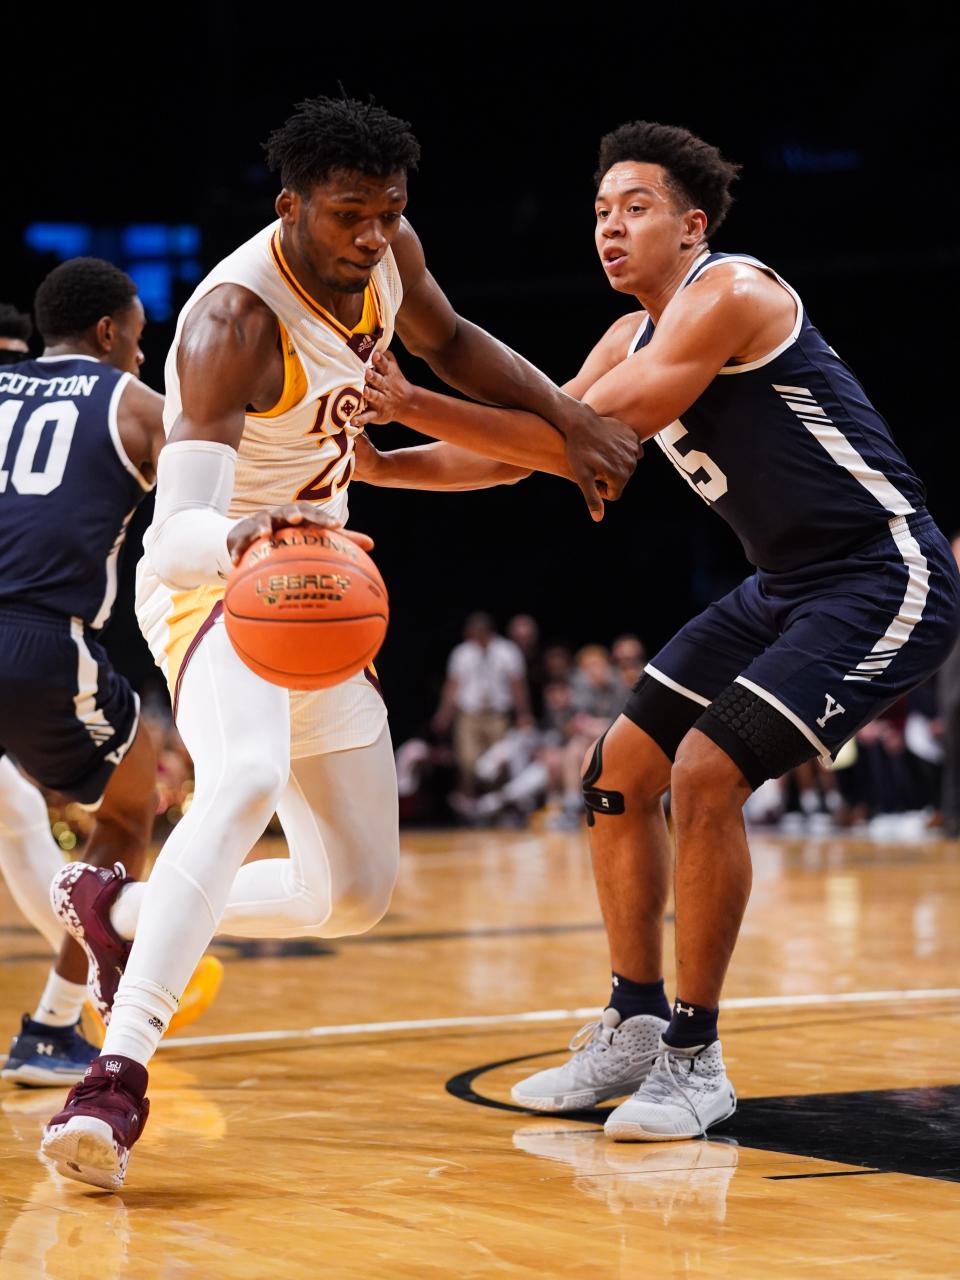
126	909
141	1013
61	1002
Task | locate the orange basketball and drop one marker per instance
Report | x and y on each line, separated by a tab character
306	608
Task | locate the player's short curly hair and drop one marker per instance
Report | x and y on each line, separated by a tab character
325	134
696	171
77	294
14	323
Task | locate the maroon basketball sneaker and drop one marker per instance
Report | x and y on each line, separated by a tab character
82	896
104	1115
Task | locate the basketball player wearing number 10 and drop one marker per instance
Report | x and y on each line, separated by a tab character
855	600
263	383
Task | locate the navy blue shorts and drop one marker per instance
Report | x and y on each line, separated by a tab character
828	646
65	715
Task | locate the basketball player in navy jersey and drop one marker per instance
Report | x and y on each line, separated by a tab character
855	599
79	439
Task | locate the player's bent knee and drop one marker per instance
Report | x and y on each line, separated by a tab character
357	906
704	776
358	913
246	784
617	778
596	797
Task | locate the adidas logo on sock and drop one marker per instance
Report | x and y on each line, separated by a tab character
156	1024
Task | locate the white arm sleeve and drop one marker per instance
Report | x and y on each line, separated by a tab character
186	545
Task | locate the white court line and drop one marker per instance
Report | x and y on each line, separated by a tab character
547	1015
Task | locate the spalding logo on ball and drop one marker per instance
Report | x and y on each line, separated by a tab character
306	608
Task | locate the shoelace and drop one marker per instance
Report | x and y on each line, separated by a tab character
661	1085
595	1037
87	1088
592	1035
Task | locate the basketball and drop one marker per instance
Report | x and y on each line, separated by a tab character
306	608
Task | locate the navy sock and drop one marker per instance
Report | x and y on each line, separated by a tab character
633	998
691	1025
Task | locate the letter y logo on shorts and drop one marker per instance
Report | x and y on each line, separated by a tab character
833	708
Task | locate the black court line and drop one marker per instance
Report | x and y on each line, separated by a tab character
843	1173
908	1131
288	948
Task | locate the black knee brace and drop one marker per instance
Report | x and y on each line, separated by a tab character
758	738
596	799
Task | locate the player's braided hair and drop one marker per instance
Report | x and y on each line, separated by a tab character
325	134
697	172
14	323
77	294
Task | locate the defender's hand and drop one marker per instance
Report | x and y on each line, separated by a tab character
370	461
292	513
387	392
602	452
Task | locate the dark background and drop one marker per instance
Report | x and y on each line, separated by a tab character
844	124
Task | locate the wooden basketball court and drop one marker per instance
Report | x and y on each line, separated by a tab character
344	1108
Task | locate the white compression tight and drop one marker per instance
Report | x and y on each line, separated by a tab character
338	812
29	857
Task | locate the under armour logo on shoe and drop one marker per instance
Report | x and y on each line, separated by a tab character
682	1008
45	1048
113	1067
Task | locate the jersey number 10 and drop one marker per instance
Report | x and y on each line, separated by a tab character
63	415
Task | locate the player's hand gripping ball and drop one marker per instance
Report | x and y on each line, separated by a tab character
306	607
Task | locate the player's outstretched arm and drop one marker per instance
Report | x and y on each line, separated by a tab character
439	467
140	424
601	458
510	436
733	313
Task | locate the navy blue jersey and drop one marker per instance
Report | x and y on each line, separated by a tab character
67	487
789	450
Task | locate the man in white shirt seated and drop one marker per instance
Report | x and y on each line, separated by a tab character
485	686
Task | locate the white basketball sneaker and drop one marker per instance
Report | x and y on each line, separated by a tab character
685	1093
610	1058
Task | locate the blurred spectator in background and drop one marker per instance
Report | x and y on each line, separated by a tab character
525	769
15	330
948	690
597	694
484	690
524	631
629	658
557	664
